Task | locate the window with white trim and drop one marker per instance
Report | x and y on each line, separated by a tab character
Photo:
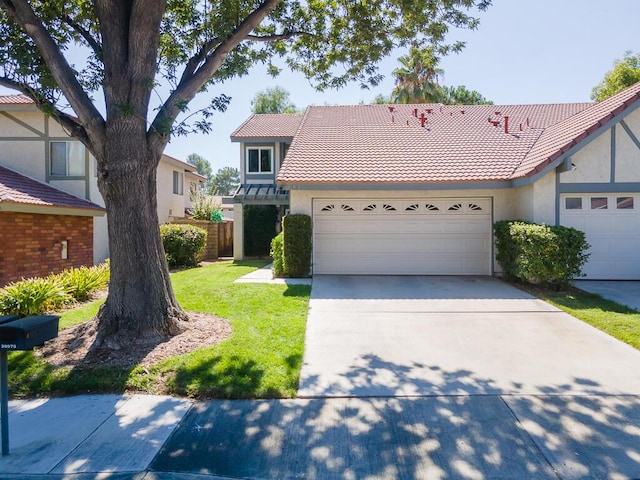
66	159
178	183
259	160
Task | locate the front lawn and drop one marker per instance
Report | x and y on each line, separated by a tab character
261	358
617	320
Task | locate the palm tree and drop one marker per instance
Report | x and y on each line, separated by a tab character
417	78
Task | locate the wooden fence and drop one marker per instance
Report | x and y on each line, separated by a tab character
219	238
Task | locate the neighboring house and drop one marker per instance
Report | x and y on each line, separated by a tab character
37	147
415	189
42	229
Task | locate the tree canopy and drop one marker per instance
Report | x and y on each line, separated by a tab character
146	60
202	165
625	72
225	181
273	100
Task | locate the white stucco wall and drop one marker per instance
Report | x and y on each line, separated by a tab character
544	200
627	152
25	157
10	128
169	204
593	162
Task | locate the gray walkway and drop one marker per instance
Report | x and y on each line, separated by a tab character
623	292
389	336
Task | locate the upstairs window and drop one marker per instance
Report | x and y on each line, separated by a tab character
67	159
178	183
259	160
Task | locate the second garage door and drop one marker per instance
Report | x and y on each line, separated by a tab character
403	237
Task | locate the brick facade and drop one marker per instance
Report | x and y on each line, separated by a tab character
30	244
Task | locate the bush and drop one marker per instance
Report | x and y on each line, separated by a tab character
205	207
551	256
33	296
82	282
277	254
259	228
182	244
296	245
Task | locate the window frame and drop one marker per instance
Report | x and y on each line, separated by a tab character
259	149
82	157
178	181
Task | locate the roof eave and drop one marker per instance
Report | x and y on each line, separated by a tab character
17	207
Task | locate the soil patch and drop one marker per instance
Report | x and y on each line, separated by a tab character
73	344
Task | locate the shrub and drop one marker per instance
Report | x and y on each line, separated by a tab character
182	244
259	228
297	245
205	207
33	296
82	282
551	256
277	255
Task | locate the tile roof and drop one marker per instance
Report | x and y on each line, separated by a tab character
15	100
269	125
389	144
18	189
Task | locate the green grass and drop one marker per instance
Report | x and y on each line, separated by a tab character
261	358
617	320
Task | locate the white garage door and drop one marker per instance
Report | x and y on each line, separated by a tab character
402	237
612	225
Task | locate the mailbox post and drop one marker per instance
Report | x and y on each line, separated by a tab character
19	334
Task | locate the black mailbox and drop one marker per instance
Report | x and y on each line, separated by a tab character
8	318
29	332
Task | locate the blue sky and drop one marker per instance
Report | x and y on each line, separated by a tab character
525	51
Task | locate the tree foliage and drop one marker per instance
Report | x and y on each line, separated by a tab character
225	181
148	59
203	167
273	100
625	72
460	95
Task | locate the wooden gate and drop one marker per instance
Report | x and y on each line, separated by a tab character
225	239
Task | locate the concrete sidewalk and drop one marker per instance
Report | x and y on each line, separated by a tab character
442	437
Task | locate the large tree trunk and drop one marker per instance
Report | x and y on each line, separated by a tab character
141	299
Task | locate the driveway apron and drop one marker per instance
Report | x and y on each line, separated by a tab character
443	335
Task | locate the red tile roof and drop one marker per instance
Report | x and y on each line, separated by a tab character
268	125
18	189
389	144
15	100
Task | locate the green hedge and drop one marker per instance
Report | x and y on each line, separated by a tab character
260	223
297	245
182	244
277	255
551	256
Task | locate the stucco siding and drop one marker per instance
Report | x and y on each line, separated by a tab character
544	200
627	152
26	158
74	187
10	128
593	162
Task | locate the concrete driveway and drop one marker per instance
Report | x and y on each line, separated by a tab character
417	336
623	292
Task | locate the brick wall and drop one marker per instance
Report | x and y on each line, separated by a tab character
30	244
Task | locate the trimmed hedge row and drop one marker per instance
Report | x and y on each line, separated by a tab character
546	255
182	243
291	248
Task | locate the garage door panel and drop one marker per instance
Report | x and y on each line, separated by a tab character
613	233
429	239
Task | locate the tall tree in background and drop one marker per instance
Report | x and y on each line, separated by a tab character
225	181
625	73
137	51
417	77
273	100
202	165
460	95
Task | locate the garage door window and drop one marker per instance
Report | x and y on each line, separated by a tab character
599	203
573	203
624	203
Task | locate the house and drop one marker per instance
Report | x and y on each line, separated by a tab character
415	189
38	148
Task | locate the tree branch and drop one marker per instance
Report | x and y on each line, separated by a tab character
22	13
67	121
93	43
190	85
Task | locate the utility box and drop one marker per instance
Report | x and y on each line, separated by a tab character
8	318
29	332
